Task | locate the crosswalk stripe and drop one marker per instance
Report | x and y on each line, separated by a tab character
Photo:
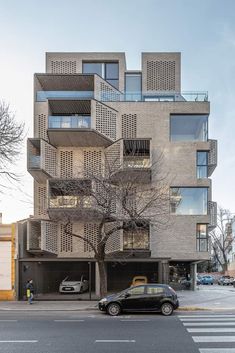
209	323
202	316
202	339
212	329
217	350
210	319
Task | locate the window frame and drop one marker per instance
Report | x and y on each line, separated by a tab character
199	237
189	187
202	165
187	114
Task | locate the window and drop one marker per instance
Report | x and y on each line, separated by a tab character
136	240
133	86
108	71
188	127
136	291
154	290
189	201
202	164
202	237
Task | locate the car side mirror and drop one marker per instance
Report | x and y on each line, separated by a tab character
126	295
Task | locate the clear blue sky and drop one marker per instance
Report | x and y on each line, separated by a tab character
203	31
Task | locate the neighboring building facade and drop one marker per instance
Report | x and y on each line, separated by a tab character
87	105
7	261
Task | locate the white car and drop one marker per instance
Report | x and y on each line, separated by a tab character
71	285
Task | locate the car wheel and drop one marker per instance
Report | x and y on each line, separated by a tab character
114	309
212	284
167	309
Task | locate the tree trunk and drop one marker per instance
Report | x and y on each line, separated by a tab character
225	267
103	277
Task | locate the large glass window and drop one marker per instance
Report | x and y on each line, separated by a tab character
136	240
108	71
188	127
133	86
202	164
202	237
189	201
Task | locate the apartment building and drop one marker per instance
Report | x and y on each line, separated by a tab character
88	105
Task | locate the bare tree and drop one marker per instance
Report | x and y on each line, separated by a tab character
121	201
222	238
11	138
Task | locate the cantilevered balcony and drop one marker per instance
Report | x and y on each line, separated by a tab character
212	157
71	199
42	237
130	159
41	161
130	242
212	211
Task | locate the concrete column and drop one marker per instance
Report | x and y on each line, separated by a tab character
97	280
163	271
193	276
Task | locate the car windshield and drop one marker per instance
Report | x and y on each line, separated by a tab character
72	279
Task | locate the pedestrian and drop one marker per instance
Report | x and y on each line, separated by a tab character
30	291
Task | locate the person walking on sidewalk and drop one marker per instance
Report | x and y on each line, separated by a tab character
30	291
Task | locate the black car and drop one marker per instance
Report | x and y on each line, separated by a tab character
147	297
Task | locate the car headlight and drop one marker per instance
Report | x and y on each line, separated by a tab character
103	300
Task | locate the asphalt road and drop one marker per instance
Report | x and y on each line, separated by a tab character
83	332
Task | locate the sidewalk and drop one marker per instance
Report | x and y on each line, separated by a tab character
204	298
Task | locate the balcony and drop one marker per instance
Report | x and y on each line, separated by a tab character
130	159
129	243
42	237
41	161
212	211
212	157
71	199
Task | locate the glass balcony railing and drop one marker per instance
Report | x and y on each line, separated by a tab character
34	162
71	202
155	97
69	122
42	96
136	163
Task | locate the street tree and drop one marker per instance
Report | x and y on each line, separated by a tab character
122	201
11	138
222	238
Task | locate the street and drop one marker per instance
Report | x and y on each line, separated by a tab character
92	331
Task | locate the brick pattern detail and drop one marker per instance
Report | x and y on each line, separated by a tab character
113	158
106	120
161	75
63	67
91	233
42	200
66	164
51	237
92	163
114	242
66	240
129	125
108	93
34	236
50	160
42	126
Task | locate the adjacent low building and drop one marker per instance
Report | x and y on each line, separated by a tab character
88	105
7	261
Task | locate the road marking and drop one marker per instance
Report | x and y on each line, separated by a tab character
69	320
199	339
215	329
217	350
19	341
210	319
114	341
209	324
8	320
140	320
195	316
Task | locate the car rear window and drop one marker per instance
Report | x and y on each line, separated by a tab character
154	290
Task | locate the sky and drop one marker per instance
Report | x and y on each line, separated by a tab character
203	31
